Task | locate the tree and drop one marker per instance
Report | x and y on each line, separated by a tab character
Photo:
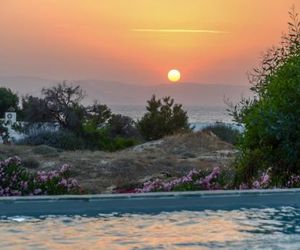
8	99
98	114
163	118
271	141
64	104
122	126
35	110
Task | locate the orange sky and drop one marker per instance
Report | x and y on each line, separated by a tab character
138	41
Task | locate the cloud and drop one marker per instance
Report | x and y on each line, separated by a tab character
181	31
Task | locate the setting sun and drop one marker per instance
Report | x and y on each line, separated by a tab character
174	75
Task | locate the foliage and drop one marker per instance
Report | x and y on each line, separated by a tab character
80	127
224	131
217	179
62	139
16	180
64	105
8	99
4	134
35	110
272	121
100	138
98	114
163	118
194	180
271	61
122	126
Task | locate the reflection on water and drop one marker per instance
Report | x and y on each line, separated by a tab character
238	229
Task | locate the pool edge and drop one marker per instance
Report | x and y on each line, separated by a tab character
147	202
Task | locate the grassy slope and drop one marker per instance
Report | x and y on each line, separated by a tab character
101	171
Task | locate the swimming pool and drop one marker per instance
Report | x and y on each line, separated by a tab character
269	228
229	220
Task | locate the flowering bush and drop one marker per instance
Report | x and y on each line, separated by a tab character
194	180
16	180
294	181
197	180
265	181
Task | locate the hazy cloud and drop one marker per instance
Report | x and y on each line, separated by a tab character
181	31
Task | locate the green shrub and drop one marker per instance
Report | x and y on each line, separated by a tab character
225	132
59	139
272	126
163	118
120	143
271	140
8	100
101	139
122	126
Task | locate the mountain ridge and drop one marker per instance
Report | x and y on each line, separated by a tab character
118	93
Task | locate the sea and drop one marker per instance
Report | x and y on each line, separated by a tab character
199	116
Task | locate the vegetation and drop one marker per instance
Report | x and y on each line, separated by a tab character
194	180
35	110
8	100
225	132
95	127
100	138
62	139
271	141
60	119
16	180
163	118
4	135
80	127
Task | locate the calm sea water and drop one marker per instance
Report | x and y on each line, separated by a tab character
199	116
203	114
270	228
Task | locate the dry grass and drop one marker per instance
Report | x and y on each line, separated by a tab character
101	171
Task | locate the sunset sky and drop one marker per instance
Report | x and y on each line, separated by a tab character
138	41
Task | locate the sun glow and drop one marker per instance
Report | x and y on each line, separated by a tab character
174	75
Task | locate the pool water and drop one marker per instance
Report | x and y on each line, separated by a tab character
269	228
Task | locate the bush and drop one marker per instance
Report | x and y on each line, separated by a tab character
4	135
194	180
122	126
100	139
120	143
16	180
272	127
8	100
225	132
271	141
60	139
163	118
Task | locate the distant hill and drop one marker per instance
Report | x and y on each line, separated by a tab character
116	93
26	85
